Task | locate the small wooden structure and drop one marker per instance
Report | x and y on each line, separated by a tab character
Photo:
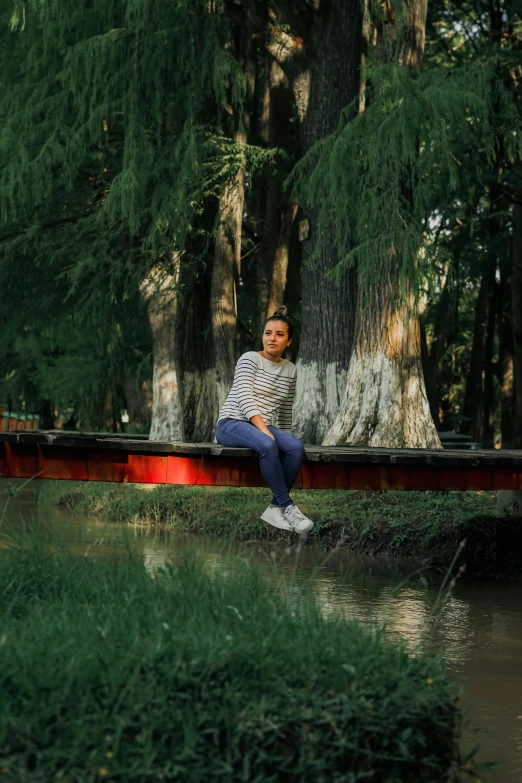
11	421
48	455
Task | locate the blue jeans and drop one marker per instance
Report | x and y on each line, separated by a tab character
279	459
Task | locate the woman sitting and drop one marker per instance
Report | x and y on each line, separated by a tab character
264	388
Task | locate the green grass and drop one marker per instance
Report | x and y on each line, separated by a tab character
199	675
428	526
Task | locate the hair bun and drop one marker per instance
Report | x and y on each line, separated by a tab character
282	312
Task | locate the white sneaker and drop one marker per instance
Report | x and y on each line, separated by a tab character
300	524
274	516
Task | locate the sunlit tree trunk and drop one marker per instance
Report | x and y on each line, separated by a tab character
275	212
385	402
223	295
286	214
160	292
199	373
263	208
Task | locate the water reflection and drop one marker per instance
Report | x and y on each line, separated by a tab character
479	629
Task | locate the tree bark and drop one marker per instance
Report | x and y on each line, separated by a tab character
199	374
495	207
474	394
227	261
278	211
507	387
488	429
287	213
385	402
328	81
138	398
264	199
160	292
444	327
516	311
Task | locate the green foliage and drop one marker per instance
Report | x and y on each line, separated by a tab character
117	101
110	140
106	672
423	142
70	365
117	129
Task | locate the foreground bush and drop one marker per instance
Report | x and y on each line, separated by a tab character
109	674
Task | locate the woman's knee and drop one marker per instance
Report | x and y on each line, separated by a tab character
268	447
295	448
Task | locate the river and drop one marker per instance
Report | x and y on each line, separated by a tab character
479	631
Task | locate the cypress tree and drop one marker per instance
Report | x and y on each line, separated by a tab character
109	143
319	49
381	177
483	33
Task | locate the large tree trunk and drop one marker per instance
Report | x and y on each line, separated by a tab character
385	402
223	295
517	321
262	211
495	206
327	83
443	329
474	394
199	373
507	387
287	213
488	428
160	292
479	394
138	398
276	210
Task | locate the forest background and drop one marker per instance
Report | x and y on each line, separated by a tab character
170	173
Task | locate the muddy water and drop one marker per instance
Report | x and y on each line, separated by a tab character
479	631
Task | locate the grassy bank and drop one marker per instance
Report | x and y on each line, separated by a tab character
426	526
198	676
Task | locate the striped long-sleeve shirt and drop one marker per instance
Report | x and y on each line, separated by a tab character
261	387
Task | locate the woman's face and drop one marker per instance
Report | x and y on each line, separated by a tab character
275	338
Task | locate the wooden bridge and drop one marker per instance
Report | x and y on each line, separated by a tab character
48	455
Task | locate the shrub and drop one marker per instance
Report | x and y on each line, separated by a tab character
205	674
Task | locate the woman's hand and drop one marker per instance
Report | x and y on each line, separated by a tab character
258	422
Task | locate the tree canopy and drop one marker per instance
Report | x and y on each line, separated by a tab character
125	127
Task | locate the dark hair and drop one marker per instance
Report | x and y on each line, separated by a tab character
282	314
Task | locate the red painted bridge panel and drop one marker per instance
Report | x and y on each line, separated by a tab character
3	460
22	460
106	466
145	469
98	458
55	462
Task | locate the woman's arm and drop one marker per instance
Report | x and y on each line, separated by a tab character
244	377
284	413
259	422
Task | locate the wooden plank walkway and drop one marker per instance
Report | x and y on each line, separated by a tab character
47	455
